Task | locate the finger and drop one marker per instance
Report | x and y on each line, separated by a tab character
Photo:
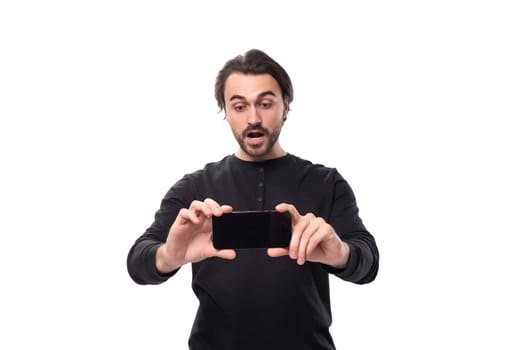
285	207
210	251
226	209
277	252
200	207
213	206
313	243
228	254
186	215
309	231
297	226
297	232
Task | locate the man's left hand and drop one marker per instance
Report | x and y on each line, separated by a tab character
313	239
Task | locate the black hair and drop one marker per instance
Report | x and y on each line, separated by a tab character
253	62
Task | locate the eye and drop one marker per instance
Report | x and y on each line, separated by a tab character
265	105
239	108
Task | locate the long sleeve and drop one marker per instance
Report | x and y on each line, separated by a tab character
141	257
254	294
363	263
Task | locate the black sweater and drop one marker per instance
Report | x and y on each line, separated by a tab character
258	302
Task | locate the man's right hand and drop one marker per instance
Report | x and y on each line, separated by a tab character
189	239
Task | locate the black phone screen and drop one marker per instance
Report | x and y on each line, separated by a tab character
251	229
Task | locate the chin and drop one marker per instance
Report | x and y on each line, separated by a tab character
257	154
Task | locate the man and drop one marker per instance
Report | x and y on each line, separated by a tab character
275	298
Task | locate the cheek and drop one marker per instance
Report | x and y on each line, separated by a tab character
235	125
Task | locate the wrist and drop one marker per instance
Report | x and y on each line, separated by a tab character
342	260
162	263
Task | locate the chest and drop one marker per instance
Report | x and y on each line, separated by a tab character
263	189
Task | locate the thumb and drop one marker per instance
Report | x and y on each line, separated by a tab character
277	252
228	254
290	208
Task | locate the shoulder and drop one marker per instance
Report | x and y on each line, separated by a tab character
210	173
210	168
312	168
191	181
220	164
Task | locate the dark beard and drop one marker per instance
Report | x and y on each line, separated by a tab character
265	149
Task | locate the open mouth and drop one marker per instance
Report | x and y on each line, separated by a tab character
255	134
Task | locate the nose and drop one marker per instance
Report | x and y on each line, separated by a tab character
253	116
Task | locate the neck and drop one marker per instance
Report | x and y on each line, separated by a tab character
276	152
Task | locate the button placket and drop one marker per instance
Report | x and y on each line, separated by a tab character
260	189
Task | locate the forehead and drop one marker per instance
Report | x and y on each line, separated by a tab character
250	85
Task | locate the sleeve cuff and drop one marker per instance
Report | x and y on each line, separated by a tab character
154	275
350	267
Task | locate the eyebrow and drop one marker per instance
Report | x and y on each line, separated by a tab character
262	94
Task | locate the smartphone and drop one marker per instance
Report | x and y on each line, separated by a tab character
252	229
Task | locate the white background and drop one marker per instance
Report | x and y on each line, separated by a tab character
419	104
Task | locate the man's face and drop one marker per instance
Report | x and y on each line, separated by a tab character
256	111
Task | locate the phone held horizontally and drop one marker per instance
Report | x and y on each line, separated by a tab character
252	229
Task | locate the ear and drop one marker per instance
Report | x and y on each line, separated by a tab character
286	109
